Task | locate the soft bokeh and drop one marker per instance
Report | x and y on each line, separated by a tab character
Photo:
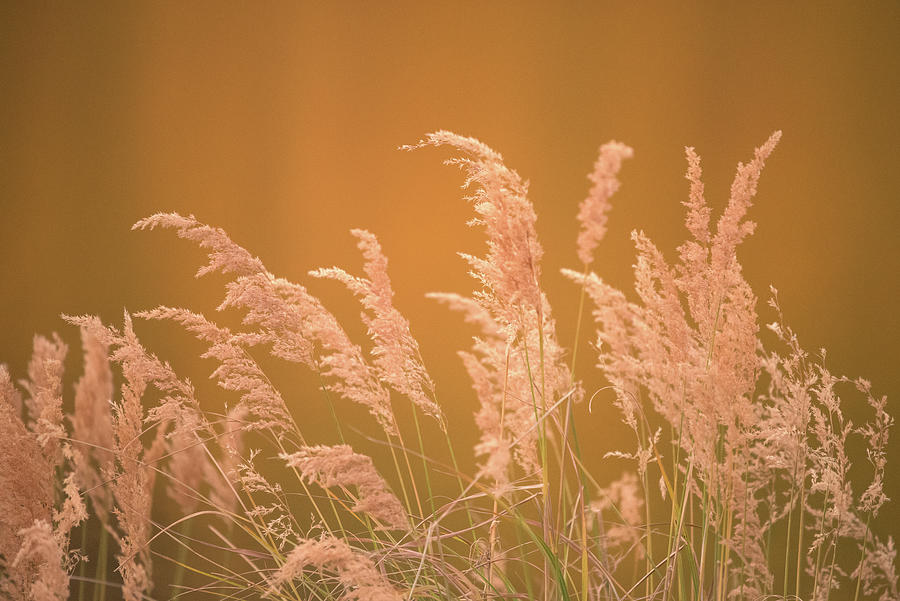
281	122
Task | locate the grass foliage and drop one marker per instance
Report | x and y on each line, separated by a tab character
738	485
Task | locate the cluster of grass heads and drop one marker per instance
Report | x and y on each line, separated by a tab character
738	484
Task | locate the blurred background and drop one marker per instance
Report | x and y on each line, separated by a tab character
280	122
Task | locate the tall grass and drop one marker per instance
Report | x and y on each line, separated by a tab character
738	485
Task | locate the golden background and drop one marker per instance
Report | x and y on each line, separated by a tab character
280	122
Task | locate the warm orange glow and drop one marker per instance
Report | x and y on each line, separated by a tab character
281	123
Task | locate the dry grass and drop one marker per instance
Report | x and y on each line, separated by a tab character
739	482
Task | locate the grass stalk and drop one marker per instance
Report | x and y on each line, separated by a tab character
674	539
820	545
703	538
102	562
649	532
81	564
787	541
583	489
425	470
492	535
578	320
862	559
800	521
837	533
542	445
399	475
178	576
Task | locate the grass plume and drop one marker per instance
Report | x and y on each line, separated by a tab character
740	485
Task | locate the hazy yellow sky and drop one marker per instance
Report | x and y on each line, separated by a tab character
280	122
